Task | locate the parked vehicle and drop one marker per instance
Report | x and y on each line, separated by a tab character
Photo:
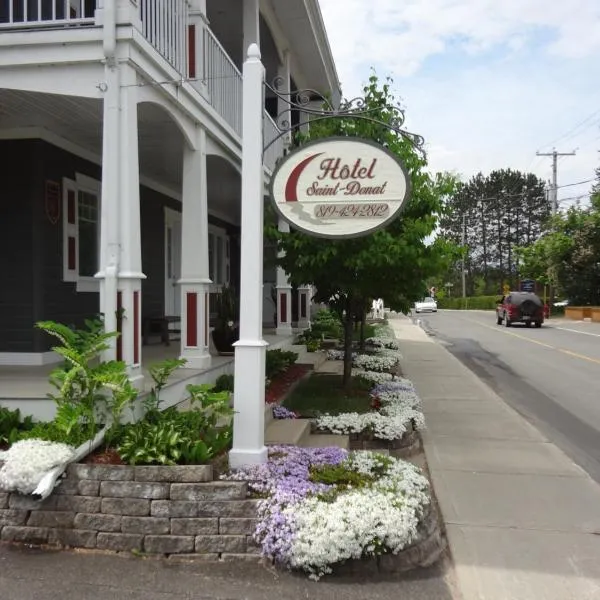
426	305
520	307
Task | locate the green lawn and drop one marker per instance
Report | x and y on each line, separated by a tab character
369	332
323	393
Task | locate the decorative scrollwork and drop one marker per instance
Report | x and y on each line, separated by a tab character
319	108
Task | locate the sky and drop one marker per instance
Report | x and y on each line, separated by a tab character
488	83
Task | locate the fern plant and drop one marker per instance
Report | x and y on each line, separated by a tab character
89	390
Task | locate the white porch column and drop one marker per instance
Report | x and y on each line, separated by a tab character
249	393
304	304
129	295
194	257
251	14
197	23
284	293
284	289
109	254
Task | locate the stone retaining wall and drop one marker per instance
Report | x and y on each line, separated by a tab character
178	511
404	447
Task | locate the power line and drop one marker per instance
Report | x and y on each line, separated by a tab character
568	134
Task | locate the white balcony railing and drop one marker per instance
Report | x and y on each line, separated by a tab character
165	26
223	81
44	13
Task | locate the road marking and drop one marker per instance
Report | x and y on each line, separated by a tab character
522	337
576	331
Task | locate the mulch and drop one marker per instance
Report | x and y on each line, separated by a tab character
281	384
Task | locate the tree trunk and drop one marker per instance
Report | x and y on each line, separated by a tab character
348	334
363	322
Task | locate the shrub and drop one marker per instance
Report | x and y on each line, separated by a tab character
11	425
471	303
224	383
278	361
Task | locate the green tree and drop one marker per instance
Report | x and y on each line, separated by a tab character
495	213
392	263
567	256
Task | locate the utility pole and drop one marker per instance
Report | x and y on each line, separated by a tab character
464	243
554	154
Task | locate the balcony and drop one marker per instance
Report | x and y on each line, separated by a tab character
165	25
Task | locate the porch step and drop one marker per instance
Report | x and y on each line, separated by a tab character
287	431
327	440
313	359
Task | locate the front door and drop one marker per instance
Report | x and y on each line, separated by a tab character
172	263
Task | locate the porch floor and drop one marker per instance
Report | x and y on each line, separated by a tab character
31	382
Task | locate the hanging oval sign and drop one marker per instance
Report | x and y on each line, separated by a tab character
340	187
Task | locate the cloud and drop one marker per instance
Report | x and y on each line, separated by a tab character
487	82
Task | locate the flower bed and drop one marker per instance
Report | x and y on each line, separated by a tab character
279	387
325	506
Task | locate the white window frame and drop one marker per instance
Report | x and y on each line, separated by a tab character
82	183
224	277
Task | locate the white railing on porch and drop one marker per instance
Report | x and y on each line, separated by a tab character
165	26
45	13
223	81
275	150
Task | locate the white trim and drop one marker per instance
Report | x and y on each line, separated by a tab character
172	217
29	359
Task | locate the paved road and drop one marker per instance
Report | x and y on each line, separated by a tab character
550	375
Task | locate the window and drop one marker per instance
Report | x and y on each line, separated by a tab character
81	232
218	256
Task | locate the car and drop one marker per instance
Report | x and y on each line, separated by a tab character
426	305
562	304
520	307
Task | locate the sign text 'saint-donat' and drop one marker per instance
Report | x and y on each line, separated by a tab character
334	169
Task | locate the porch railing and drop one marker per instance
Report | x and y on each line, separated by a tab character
223	81
45	13
165	26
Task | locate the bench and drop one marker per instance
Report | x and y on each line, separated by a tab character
159	325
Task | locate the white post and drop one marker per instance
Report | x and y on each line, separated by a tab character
109	208
251	23
284	293
249	394
129	295
284	289
194	258
304	304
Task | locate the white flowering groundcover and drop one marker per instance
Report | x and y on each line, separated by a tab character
325	506
400	407
27	461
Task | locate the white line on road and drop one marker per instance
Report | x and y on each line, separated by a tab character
575	331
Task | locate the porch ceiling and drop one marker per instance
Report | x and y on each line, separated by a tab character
79	121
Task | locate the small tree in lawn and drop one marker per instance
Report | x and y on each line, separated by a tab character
392	263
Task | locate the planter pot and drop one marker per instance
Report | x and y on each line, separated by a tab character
224	340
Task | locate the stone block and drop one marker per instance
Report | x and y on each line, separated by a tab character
12	516
3	500
98	522
101	472
237	526
28	503
73	538
78	504
194	526
168	544
213	557
175	474
67	486
252	546
127	506
88	487
249	558
232	544
145	525
29	535
174	508
242	509
119	542
51	518
134	489
218	490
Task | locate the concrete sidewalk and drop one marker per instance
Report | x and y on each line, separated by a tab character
523	521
